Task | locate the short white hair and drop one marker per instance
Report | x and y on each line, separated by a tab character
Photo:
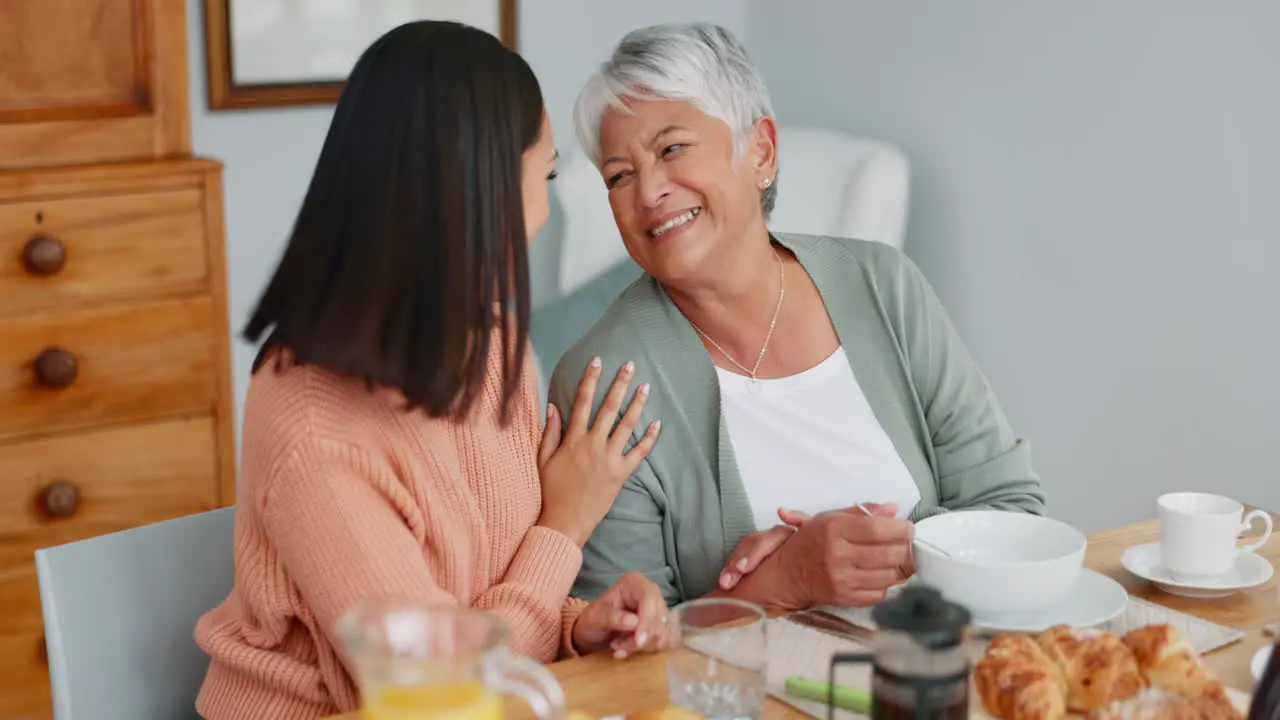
701	64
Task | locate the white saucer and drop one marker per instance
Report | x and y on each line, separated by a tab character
1095	599
1249	571
1259	662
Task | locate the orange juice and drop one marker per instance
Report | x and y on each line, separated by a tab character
451	701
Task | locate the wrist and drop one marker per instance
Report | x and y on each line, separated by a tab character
570	530
770	585
580	644
792	588
574	642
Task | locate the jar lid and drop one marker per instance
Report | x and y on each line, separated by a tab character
922	612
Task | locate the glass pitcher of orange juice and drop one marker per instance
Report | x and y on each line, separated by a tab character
422	662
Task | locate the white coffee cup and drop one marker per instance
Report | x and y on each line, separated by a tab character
1199	532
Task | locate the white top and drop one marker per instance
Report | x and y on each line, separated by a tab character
811	442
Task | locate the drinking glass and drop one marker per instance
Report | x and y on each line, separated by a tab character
717	658
414	661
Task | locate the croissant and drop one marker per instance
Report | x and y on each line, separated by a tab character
1162	704
1098	667
1017	681
1167	659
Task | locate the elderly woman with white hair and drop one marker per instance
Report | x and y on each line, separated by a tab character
816	374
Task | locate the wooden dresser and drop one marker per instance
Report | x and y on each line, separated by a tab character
115	391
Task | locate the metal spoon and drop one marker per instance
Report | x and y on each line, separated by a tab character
933	547
925	543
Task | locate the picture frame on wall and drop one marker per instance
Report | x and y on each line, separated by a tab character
280	53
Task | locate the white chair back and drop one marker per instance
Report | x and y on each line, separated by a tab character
590	243
120	613
832	183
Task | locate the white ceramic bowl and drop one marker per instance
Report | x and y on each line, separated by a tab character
1001	562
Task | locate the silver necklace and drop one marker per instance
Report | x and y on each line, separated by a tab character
764	347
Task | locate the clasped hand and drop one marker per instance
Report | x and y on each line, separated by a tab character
630	617
841	557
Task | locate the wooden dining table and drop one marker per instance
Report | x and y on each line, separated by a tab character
600	686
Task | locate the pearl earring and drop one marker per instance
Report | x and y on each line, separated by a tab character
767	182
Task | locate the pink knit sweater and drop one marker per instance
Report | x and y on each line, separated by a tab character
343	496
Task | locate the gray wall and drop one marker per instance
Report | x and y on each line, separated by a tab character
1093	197
269	154
1096	197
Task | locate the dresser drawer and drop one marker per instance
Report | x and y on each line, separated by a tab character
60	372
65	488
24	664
64	253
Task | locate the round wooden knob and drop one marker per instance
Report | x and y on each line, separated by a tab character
56	367
60	499
44	255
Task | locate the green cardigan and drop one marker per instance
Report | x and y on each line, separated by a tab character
680	515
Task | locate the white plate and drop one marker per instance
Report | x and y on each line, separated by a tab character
1095	599
1249	571
1259	662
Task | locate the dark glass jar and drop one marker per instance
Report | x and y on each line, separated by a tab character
920	667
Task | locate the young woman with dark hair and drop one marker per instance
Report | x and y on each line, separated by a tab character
393	443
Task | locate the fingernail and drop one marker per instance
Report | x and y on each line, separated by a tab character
656	426
742	564
629	622
628	367
595	362
641	638
552	411
620	654
644	389
726	580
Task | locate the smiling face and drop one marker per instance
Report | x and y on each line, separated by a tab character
679	195
538	167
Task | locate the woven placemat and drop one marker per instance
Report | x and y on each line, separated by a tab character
792	650
1205	636
799	650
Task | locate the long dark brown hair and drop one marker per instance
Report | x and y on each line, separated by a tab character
413	226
